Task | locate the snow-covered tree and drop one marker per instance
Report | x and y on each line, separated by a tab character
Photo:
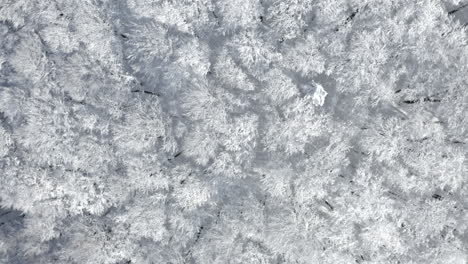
233	131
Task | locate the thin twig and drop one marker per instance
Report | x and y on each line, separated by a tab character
144	91
457	9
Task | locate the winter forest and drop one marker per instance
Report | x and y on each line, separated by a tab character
233	131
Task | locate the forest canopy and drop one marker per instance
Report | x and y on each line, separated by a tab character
233	131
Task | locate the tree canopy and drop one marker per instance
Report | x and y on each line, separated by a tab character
233	131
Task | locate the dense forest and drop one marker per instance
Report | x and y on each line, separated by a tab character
233	131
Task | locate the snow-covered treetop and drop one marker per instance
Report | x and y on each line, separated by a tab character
233	131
